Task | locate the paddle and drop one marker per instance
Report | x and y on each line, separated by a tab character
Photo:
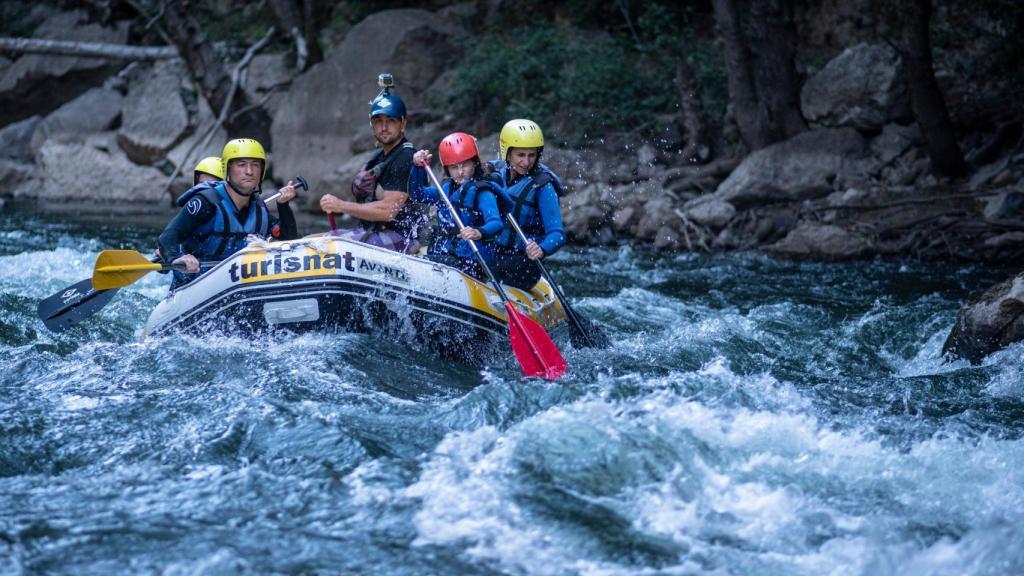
582	332
72	305
119	268
533	348
79	301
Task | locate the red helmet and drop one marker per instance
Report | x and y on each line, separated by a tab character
457	147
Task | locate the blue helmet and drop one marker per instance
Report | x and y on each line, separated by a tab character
387	104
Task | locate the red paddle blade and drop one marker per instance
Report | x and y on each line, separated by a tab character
537	354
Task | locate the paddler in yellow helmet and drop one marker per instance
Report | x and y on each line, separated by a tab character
217	216
209	169
530	193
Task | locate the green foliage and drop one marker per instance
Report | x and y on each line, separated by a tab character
575	82
239	25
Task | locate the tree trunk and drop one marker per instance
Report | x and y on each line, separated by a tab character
212	76
738	67
773	36
302	19
697	149
97	49
925	96
314	15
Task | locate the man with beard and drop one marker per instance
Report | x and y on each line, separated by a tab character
387	219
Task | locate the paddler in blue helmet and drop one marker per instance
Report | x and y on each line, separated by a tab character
531	192
386	217
216	217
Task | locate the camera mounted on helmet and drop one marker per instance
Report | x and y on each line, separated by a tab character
386	103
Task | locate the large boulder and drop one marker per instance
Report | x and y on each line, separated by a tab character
328	103
802	167
93	169
988	322
39	83
193	144
95	111
863	87
155	116
266	77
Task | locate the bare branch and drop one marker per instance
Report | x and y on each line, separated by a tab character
236	75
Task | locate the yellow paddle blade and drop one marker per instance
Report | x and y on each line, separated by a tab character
119	268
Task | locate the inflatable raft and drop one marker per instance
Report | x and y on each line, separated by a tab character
326	283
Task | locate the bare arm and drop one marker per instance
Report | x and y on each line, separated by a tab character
383	210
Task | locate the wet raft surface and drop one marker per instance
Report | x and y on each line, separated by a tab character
754	417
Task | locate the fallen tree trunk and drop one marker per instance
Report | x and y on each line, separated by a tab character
87	49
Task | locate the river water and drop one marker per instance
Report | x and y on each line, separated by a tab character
753	417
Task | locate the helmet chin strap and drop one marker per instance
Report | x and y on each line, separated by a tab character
239	192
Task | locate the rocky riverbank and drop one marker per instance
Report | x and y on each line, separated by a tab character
88	137
856	184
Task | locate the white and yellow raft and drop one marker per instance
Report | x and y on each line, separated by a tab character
326	283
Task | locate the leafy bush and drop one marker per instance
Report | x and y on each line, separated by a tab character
578	82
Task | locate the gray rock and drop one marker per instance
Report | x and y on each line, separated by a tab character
646	155
14	173
802	167
894	141
857	172
988	322
986	173
15	139
863	87
667	238
93	168
1005	177
826	242
155	118
710	211
656	213
40	83
328	103
203	119
623	217
268	74
849	197
95	111
1006	204
579	221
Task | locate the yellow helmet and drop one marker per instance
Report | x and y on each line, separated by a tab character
520	134
243	148
211	165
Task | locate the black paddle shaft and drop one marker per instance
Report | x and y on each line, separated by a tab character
585	333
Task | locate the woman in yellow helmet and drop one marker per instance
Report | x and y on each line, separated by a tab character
531	196
217	216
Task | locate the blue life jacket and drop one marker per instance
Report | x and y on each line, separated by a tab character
520	200
223	235
466	200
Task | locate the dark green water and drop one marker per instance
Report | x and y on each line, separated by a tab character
754	417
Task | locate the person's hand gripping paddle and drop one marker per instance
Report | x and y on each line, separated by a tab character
536	353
